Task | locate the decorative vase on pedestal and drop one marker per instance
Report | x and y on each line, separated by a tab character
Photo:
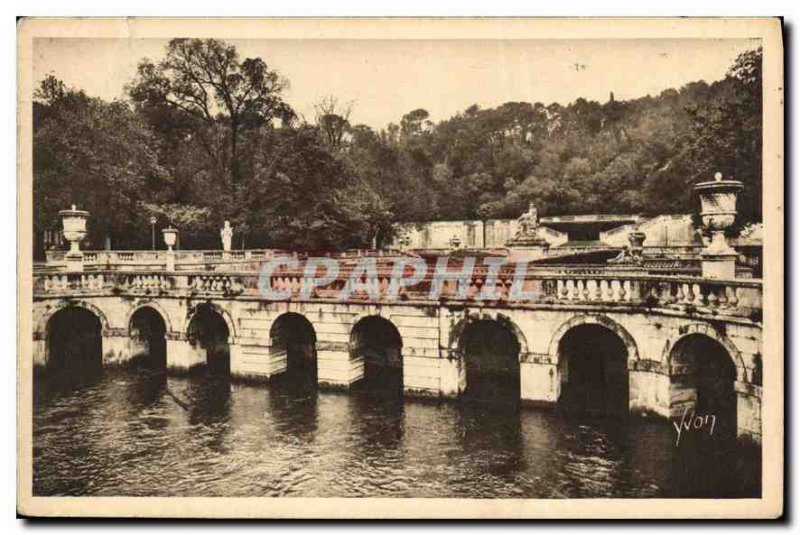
74	230
718	212
170	238
636	239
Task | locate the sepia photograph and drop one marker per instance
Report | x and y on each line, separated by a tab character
508	263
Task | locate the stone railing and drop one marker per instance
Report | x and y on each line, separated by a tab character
192	260
578	286
159	257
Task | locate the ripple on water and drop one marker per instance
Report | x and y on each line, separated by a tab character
150	436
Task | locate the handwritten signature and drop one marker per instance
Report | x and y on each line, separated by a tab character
694	421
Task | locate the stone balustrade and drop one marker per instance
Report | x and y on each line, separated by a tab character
579	286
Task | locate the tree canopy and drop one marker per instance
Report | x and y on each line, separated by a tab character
206	135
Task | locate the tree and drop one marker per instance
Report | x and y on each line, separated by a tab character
220	95
726	133
333	121
98	155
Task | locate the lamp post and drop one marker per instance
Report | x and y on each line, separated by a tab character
153	222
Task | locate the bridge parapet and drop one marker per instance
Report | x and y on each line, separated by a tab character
593	288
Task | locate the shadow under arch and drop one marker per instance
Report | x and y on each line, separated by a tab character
703	375
594	319
147	328
593	355
209	334
74	343
222	312
377	341
44	320
491	347
165	316
710	332
293	337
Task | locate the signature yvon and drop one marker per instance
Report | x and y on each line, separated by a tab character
694	421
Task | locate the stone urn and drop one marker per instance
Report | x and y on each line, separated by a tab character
74	230
170	237
636	239
718	213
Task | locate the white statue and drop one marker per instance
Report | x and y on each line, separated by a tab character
226	233
529	221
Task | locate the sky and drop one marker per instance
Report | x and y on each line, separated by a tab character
385	79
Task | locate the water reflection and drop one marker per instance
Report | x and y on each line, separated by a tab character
137	433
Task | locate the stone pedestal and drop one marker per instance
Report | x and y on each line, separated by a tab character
116	347
170	256
538	383
649	392
39	350
433	377
748	411
181	356
256	362
335	367
74	260
453	377
718	265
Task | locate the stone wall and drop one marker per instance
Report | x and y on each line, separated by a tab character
661	231
472	234
432	365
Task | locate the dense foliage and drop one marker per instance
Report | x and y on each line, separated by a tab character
206	136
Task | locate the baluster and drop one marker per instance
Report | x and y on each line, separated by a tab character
666	293
733	299
722	297
699	299
712	299
622	293
562	288
610	290
574	292
688	296
598	292
503	286
585	285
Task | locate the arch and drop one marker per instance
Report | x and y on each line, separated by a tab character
378	341
711	332
209	336
592	319
702	379
155	306
74	344
293	338
44	320
491	351
147	338
593	369
222	311
458	329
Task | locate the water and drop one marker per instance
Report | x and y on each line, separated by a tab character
138	434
